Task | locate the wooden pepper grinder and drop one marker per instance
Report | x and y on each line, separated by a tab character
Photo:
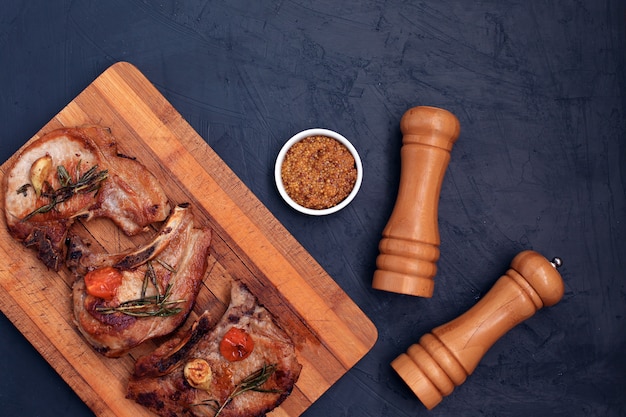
409	249
445	357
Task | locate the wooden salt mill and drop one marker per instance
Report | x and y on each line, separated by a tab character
409	249
445	357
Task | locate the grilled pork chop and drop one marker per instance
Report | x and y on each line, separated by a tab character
77	172
121	300
245	366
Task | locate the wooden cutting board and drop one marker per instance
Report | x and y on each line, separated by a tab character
249	244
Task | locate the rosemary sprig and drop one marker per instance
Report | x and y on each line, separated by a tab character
149	276
165	265
89	182
252	382
64	176
158	305
151	306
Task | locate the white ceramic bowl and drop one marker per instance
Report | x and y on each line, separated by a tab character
317	132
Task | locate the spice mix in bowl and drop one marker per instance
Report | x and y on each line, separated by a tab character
318	172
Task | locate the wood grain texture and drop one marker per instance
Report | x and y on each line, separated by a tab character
249	244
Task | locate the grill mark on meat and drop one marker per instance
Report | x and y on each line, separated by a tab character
121	155
119	321
138	258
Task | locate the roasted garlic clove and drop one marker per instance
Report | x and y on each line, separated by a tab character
198	374
39	171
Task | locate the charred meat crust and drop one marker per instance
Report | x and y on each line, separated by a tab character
131	196
181	259
152	366
46	241
159	384
138	258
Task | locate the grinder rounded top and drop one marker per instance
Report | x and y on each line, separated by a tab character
430	126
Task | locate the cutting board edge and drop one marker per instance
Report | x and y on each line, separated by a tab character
69	373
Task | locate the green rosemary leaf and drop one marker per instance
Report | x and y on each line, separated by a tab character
64	176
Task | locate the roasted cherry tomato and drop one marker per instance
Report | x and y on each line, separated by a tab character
236	345
103	282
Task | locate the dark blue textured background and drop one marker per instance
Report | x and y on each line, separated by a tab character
538	86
